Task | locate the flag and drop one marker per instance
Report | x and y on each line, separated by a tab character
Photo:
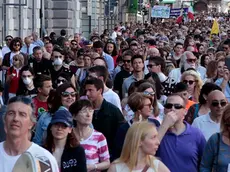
215	27
180	18
190	13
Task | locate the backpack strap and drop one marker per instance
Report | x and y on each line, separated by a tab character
196	111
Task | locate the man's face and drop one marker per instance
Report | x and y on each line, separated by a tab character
134	48
138	65
98	50
45	90
226	48
217	103
190	62
38	55
152	67
179	49
8	40
49	48
17	120
178	106
127	62
66	44
92	93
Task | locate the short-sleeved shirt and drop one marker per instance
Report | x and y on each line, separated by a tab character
39	106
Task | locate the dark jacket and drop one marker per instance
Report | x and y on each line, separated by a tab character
107	121
73	160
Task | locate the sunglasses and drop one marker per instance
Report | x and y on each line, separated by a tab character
17	45
149	93
190	82
67	94
126	61
170	105
191	60
217	103
151	65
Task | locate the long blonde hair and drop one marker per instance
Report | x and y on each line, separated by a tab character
136	133
199	82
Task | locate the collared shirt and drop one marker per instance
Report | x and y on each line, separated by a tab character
27	50
5	50
109	61
227	88
206	125
182	152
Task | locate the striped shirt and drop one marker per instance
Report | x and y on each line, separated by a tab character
96	148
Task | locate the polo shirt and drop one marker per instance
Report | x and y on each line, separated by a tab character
206	125
182	152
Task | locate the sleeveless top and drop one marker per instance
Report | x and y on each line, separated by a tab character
122	167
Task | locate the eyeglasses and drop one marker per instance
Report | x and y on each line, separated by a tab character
191	60
126	61
67	94
190	82
170	105
216	103
149	93
151	65
15	60
57	57
17	45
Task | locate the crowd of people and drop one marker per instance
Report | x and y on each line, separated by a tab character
143	98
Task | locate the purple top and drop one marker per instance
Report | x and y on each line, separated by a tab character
182	152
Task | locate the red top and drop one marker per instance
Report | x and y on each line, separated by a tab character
115	60
13	86
39	106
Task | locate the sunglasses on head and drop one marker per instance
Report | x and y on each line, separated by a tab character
67	94
126	61
151	65
190	82
217	103
191	60
170	105
149	93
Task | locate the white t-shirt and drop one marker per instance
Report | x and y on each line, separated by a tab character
112	97
206	125
7	162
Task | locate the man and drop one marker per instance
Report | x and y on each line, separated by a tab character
19	121
226	47
98	48
28	47
114	34
134	47
6	49
107	117
177	53
61	39
38	63
36	40
49	48
182	142
188	61
109	95
182	90
43	84
137	62
124	73
210	123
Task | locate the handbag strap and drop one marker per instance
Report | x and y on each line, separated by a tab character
145	168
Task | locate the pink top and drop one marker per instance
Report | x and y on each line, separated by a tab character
96	148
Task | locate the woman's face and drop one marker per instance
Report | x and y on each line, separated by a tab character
150	143
150	92
60	131
206	60
147	110
87	61
201	49
220	69
17	46
191	82
191	42
109	48
85	116
68	97
80	60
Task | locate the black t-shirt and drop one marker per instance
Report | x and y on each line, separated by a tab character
119	79
28	93
42	67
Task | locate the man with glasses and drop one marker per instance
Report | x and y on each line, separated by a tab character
210	123
18	123
182	142
125	72
188	61
6	49
226	47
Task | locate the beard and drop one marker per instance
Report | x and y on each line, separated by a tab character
187	66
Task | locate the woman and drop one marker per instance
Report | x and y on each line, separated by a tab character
204	60
201	49
111	49
201	108
63	144
211	72
94	142
220	55
26	84
149	89
194	82
217	150
140	146
78	62
141	105
64	96
220	68
189	41
12	78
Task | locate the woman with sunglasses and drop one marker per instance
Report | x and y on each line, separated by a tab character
12	78
94	142
140	145
217	150
26	84
64	96
194	82
141	105
63	144
111	49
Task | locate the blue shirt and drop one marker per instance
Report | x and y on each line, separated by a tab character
227	88
182	152
110	63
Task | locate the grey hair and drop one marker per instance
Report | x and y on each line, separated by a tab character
184	57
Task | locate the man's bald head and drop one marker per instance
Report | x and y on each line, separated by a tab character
214	94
